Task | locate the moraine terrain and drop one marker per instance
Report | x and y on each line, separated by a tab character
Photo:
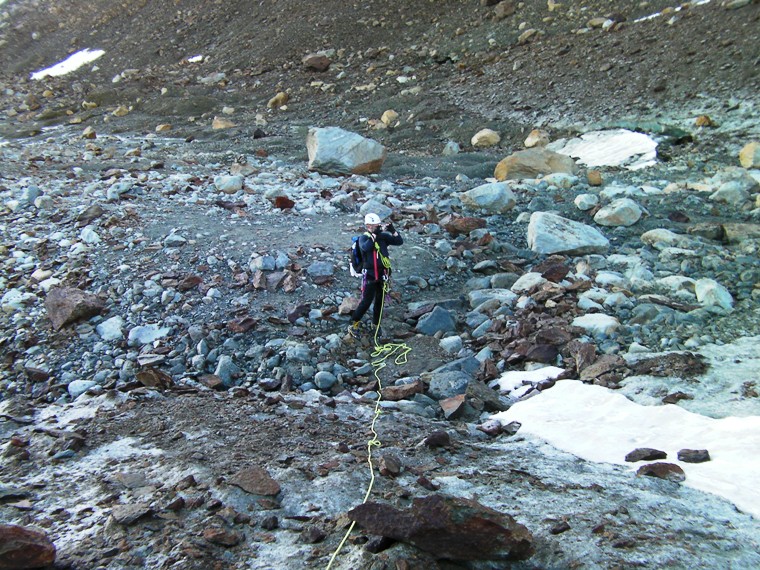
205	408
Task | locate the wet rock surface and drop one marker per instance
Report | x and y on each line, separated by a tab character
176	386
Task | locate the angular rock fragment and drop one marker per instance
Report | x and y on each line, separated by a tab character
152	378
335	151
389	465
402	392
462	225
222	536
549	233
453	407
645	454
449	528
127	515
256	480
242	324
495	198
66	305
23	547
693	455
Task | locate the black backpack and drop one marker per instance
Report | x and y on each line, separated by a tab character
356	257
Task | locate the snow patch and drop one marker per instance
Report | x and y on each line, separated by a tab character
71	63
616	147
596	424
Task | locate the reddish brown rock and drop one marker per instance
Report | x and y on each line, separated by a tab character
256	481
23	547
459	226
211	381
283	203
222	537
545	353
295	312
449	528
403	392
189	282
242	324
152	378
453	407
667	471
594	178
553	335
66	305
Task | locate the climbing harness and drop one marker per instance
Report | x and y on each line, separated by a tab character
380	355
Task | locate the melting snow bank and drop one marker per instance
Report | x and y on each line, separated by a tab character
617	147
596	424
71	63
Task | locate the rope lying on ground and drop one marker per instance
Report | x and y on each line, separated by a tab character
380	356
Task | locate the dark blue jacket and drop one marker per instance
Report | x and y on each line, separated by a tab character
372	264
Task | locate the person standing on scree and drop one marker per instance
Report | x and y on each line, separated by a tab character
376	268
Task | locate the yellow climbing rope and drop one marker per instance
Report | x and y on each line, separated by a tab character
380	355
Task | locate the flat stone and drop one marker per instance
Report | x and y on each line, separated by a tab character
257	481
645	454
667	471
449	528
127	515
402	392
693	455
222	536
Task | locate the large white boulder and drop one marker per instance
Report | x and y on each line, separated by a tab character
549	233
620	212
711	293
496	198
597	324
336	151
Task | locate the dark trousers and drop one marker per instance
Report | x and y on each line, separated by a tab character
373	292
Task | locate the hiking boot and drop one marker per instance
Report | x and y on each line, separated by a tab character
377	332
353	330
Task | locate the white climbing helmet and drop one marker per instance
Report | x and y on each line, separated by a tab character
373	219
